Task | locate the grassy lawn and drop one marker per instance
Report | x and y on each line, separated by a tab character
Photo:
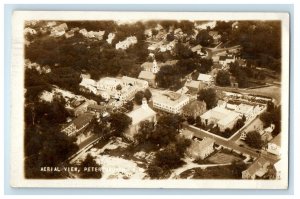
271	91
224	158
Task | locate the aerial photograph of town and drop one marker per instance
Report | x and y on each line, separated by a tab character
152	99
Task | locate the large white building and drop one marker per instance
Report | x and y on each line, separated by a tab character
138	115
109	84
130	81
170	102
223	117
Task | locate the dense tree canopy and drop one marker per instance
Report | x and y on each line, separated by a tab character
209	96
253	139
119	122
223	78
88	168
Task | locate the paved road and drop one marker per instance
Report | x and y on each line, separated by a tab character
230	144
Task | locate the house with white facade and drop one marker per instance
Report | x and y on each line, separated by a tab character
171	102
143	113
201	149
227	59
139	83
108	84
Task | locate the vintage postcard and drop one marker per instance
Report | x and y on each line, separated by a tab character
150	100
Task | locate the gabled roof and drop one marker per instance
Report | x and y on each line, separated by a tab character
146	75
204	77
196	48
141	114
257	166
192	84
82	120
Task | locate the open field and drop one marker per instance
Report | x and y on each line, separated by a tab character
223	158
270	91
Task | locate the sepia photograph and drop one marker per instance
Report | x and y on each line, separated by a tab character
150	100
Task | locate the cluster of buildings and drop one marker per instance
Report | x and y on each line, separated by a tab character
40	69
150	69
92	34
120	89
225	115
126	43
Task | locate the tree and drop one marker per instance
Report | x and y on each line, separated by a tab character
170	36
169	77
266	118
239	124
119	87
146	129
119	122
223	78
182	51
155	172
147	94
242	78
94	168
253	139
205	65
209	96
129	106
237	167
139	97
191	120
203	38
168	158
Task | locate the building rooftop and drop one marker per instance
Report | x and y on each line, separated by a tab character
200	145
96	107
196	48
140	114
146	75
170	98
183	90
110	81
217	113
82	120
244	108
204	77
257	167
147	65
228	118
128	80
192	84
